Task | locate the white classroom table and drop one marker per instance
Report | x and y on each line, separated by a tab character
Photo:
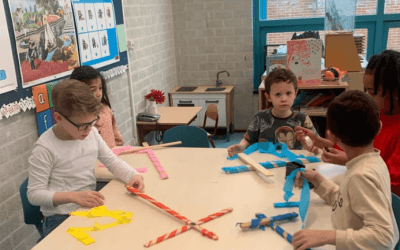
196	187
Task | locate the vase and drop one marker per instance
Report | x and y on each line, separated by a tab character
152	107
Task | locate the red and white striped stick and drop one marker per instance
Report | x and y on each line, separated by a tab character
188	222
187	227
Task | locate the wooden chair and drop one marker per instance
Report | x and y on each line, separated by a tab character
212	113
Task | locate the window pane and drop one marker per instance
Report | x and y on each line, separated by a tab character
366	7
287	9
281	38
394	39
392	6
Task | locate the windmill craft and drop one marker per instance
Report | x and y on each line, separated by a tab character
188	223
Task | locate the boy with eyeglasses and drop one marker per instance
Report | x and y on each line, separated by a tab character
62	162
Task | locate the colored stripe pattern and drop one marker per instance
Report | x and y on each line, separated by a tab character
271	164
262	220
189	224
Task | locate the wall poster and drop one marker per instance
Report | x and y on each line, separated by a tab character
8	80
97	32
45	39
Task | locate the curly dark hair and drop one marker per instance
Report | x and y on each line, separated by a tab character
386	70
280	75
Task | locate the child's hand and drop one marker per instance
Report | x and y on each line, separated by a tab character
88	199
334	156
235	149
310	175
301	134
136	182
305	238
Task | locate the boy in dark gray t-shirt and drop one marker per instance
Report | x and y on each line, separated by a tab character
277	123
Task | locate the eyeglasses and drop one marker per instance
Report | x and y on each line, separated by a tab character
84	126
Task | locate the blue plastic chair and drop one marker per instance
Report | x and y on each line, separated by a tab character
32	214
190	136
396	211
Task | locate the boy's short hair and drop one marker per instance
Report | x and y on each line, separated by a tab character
280	75
71	97
353	117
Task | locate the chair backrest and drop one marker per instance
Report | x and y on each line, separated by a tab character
396	211
212	113
32	214
190	136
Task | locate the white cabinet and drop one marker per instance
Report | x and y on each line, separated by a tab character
201	98
185	101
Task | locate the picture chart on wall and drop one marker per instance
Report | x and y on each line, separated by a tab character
45	39
97	32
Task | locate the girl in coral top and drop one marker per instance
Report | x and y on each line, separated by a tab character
382	81
106	125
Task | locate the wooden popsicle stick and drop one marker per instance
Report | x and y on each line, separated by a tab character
152	147
253	163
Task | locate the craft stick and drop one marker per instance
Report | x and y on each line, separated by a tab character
213	216
270	164
180	230
203	231
287	236
151	147
267	221
287	204
186	227
253	163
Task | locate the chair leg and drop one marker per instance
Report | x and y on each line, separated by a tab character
211	141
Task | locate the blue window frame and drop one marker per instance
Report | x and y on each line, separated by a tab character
377	26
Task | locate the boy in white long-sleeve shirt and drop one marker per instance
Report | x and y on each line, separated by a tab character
61	166
362	213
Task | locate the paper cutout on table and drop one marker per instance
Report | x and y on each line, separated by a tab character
304	196
81	233
155	161
189	224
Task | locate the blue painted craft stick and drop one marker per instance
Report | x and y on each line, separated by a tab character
287	236
288	216
287	204
236	169
262	220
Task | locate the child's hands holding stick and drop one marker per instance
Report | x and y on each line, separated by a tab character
308	138
312	176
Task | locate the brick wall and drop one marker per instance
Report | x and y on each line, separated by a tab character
211	36
152	63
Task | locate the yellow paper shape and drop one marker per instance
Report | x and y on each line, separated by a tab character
80	233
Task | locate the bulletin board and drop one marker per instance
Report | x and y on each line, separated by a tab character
19	93
97	32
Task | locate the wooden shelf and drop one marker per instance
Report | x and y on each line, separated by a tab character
262	101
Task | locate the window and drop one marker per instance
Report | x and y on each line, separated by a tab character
275	21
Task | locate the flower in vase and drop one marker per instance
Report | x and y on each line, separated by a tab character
155	95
